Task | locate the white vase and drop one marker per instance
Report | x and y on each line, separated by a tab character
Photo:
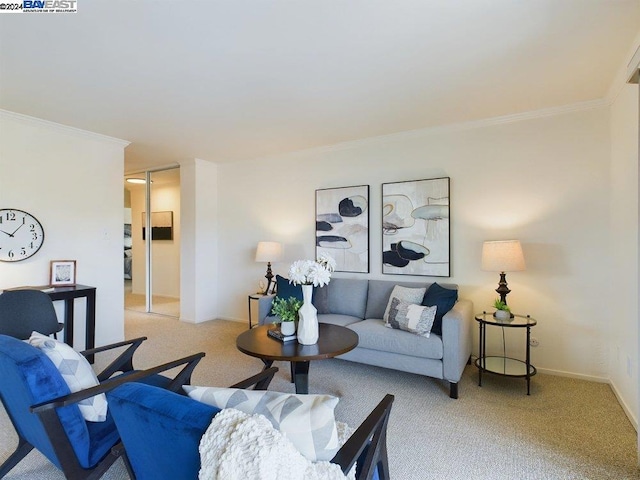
288	328
308	318
502	315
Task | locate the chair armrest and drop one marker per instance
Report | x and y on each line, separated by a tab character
456	339
124	361
261	380
190	361
371	436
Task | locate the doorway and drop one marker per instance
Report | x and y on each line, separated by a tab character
152	255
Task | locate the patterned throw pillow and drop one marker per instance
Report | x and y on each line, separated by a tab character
307	420
410	317
76	372
405	294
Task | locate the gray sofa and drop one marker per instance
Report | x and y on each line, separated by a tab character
359	304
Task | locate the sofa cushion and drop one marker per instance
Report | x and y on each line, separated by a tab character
379	293
373	335
321	299
411	318
444	299
404	294
347	296
335	319
285	290
307	420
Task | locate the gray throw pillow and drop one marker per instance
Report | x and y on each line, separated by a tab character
410	317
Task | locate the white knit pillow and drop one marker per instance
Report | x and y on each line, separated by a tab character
404	294
76	372
307	420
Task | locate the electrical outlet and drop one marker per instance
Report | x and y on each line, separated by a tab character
533	341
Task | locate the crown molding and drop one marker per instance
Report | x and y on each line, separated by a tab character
454	127
38	122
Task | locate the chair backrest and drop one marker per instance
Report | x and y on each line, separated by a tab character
28	377
160	430
23	311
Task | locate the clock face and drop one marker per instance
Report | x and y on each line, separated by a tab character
21	235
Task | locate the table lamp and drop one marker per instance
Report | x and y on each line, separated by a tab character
268	252
502	256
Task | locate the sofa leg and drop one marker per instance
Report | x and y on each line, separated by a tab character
453	390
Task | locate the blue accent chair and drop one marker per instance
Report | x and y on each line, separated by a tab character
161	432
45	413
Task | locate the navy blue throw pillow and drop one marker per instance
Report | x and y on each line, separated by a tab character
444	299
286	290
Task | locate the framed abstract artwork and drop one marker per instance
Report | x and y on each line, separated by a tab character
415	228
342	226
161	225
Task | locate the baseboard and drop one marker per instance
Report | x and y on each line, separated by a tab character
630	415
579	376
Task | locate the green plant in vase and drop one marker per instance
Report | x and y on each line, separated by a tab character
503	312
287	311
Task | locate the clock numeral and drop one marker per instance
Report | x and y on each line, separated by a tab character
35	236
10	254
32	227
23	251
11	216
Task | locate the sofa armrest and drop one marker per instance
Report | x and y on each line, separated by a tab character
456	339
264	308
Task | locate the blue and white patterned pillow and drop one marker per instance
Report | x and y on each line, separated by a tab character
410	317
76	372
307	420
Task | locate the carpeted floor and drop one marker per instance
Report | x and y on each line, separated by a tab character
566	429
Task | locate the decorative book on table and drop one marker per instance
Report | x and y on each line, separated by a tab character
278	335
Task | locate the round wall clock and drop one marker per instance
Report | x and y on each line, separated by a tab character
21	235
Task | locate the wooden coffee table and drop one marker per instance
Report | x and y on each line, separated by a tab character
333	340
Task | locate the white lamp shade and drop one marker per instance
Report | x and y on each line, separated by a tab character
268	252
502	256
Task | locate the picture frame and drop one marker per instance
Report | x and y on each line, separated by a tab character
161	225
62	273
342	226
416	236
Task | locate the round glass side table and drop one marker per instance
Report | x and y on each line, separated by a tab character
501	364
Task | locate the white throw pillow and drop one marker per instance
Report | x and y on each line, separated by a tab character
410	317
307	420
405	294
76	372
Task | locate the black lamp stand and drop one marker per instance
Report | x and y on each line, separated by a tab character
268	276
503	289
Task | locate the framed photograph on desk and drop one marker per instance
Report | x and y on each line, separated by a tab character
62	273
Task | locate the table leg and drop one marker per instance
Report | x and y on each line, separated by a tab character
267	364
249	309
480	354
528	360
90	334
302	377
68	321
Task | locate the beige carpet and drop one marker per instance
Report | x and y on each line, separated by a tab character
566	429
162	305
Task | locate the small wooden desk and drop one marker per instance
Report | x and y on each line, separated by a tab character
69	294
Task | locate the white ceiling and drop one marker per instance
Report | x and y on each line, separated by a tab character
231	80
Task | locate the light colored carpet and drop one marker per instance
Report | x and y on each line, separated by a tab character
566	429
162	305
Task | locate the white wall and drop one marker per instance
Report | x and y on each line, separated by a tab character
200	269
72	182
623	332
544	181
